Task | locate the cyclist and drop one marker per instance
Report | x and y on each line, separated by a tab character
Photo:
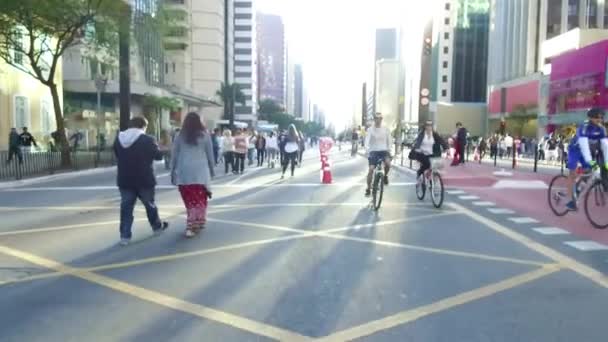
428	144
378	143
589	135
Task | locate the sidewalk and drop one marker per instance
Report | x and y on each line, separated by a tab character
523	192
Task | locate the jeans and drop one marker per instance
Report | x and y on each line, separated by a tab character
290	157
250	155
261	154
12	151
127	204
229	162
239	162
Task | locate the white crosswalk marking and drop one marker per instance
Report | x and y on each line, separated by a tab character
484	204
587	246
455	192
550	231
522	220
501	211
470	197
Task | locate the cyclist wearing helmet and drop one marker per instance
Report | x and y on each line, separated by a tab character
590	135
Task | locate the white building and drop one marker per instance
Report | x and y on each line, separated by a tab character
387	90
245	59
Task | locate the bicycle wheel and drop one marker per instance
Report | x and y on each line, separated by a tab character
596	203
420	188
437	190
378	190
557	195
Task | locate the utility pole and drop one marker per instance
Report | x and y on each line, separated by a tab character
124	36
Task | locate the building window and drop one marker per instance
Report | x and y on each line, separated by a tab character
22	112
447	21
174	67
446	50
46	119
445	65
447	6
444	93
444	78
18	49
166	68
446	35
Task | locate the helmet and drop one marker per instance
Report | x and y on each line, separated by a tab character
593	112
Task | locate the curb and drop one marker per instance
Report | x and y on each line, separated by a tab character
61	176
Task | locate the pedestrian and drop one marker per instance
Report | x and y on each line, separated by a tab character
76	137
164	145
281	140
228	149
240	151
135	154
460	142
291	147
215	140
251	143
302	148
483	146
14	146
272	149
27	140
509	145
260	146
192	168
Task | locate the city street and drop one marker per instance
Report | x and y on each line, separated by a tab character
294	260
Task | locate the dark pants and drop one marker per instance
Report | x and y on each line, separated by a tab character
229	161
127	204
15	150
290	157
216	154
239	162
425	162
300	154
261	154
458	153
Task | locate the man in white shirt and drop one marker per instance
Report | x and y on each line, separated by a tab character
378	143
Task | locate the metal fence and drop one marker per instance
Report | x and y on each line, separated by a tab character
35	164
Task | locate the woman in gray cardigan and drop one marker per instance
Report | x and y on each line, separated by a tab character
192	167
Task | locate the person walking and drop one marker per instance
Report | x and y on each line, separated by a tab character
291	148
251	143
192	168
215	140
228	150
27	140
260	146
302	148
240	151
135	154
460	144
272	149
14	146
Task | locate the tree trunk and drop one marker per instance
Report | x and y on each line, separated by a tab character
64	146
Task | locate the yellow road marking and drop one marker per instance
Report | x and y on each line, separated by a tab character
31	278
170	257
552	254
160	298
324	233
67	227
409	316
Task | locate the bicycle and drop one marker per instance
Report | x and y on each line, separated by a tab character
377	185
596	189
433	181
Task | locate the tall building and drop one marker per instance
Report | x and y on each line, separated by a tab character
272	58
457	68
290	82
524	38
386	48
245	59
298	92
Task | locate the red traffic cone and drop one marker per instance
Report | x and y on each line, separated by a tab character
326	179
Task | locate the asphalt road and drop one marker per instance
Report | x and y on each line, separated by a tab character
289	260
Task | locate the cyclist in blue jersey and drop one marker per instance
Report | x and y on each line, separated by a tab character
590	136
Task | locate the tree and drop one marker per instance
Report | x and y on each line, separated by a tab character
153	107
268	107
34	35
230	94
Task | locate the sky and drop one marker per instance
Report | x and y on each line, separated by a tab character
334	41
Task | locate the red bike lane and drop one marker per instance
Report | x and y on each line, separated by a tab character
523	192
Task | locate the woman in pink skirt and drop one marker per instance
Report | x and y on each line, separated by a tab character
192	167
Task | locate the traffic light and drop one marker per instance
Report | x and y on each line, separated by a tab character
428	48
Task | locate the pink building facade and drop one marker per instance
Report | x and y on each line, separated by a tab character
578	82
